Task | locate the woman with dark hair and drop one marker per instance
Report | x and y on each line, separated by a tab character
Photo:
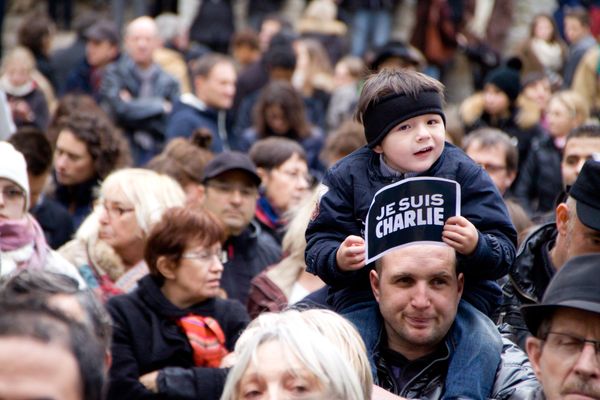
88	147
280	112
172	332
35	33
285	182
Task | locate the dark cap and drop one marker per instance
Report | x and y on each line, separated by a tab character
507	78
103	30
229	161
575	285
586	190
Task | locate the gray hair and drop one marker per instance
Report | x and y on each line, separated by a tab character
321	356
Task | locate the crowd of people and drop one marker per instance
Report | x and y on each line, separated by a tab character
184	203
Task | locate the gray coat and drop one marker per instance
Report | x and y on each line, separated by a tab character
515	379
140	113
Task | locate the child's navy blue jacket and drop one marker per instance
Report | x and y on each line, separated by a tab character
342	210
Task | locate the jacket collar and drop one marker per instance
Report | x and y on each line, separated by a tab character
531	264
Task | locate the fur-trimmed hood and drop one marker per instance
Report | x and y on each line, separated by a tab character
89	250
528	114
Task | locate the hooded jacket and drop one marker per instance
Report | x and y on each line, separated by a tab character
515	378
189	114
347	191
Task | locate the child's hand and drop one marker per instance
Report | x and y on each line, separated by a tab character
350	255
461	235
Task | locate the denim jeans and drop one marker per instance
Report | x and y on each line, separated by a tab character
475	347
370	28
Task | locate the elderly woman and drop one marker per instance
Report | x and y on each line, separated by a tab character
174	324
22	242
282	167
289	356
87	149
108	248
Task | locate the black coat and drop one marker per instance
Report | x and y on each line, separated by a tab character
529	277
248	254
343	208
540	179
146	338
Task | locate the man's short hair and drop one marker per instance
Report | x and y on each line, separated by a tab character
271	152
36	149
203	66
490	137
585	131
579	13
36	321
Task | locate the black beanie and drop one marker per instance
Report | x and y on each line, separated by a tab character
507	79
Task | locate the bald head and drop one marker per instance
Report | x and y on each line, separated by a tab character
141	39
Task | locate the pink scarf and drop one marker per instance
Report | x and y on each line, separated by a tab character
15	234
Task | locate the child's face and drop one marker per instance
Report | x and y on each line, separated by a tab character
496	102
18	74
415	144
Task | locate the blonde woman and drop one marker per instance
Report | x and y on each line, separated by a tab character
108	248
539	181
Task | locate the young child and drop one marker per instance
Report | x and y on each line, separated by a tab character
405	127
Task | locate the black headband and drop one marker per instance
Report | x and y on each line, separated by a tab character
380	117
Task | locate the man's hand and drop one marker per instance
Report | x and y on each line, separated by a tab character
125	95
350	255
461	235
149	380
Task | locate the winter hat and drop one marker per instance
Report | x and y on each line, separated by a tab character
506	78
13	167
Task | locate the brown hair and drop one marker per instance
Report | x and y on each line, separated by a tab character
69	104
204	65
107	146
34	29
271	152
395	81
282	94
178	228
579	13
490	137
555	34
184	159
349	137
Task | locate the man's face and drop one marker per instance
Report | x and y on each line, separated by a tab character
418	293
73	163
30	369
100	52
217	89
577	151
141	40
493	160
232	197
574	29
565	370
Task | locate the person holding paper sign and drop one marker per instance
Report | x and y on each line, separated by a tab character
405	129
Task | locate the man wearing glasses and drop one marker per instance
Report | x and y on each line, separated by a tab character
565	348
230	192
